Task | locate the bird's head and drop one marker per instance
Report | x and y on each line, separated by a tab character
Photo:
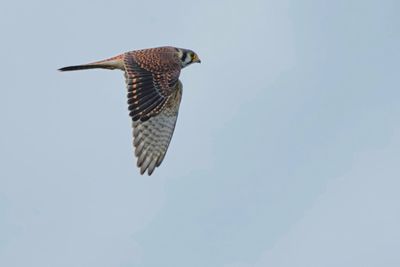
187	57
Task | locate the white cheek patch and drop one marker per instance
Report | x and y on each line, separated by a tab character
180	54
188	59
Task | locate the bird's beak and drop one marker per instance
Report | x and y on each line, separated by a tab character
196	59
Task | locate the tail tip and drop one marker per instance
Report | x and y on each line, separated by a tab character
67	68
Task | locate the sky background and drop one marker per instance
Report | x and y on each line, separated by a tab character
286	151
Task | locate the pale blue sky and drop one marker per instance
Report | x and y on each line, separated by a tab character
286	151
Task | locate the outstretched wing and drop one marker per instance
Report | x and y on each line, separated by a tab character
151	138
151	76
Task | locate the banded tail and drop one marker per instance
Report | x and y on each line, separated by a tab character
116	62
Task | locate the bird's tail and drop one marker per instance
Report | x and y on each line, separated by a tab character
116	62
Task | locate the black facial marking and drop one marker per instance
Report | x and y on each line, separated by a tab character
184	56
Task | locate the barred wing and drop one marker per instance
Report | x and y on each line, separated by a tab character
149	85
151	137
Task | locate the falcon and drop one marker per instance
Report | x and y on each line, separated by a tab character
154	95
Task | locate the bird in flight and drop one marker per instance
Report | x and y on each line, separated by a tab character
154	95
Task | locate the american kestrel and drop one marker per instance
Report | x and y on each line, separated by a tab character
154	95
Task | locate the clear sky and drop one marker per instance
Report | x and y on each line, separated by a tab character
286	151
